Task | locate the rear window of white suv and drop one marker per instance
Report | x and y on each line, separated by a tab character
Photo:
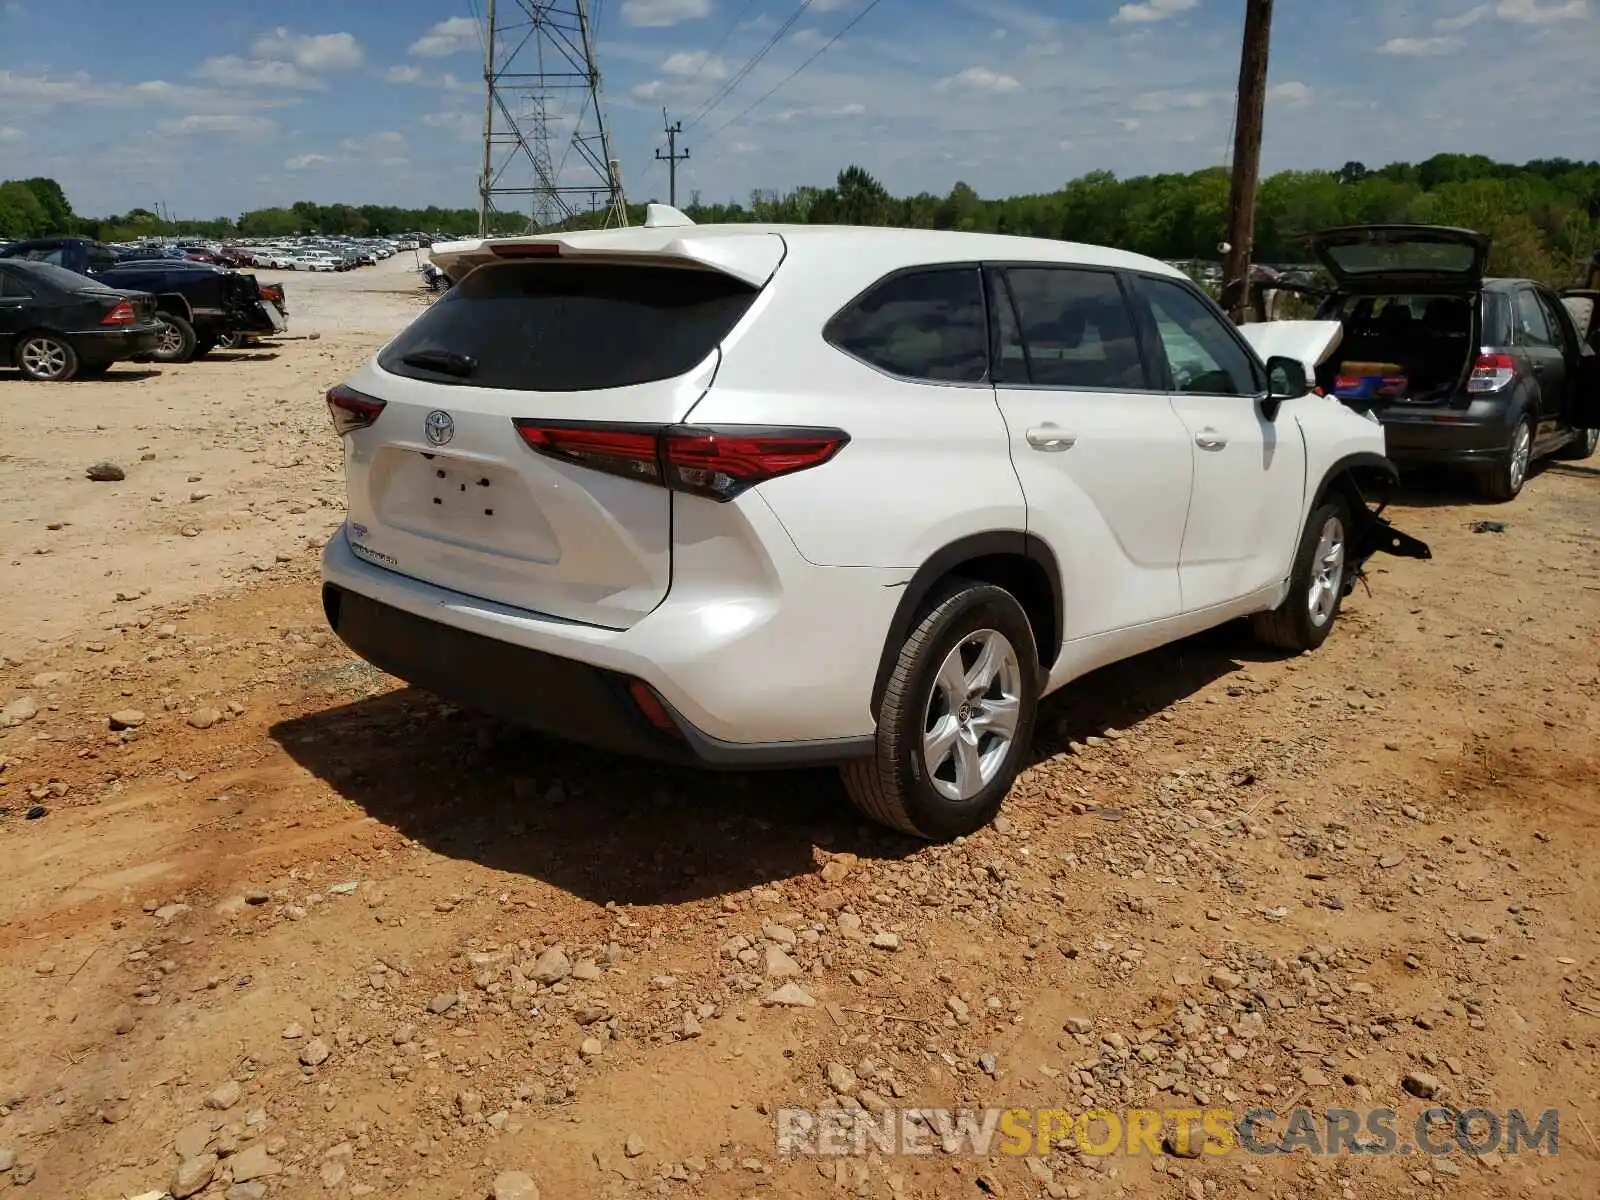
569	327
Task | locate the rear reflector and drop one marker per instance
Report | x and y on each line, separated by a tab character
122	314
1491	373
653	707
717	462
352	410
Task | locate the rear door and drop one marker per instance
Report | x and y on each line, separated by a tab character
442	487
15	300
1403	258
1104	460
1542	347
1249	472
1583	397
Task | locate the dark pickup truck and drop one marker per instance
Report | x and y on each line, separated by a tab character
200	306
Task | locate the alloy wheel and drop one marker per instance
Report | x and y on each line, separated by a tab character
44	358
972	714
1327	573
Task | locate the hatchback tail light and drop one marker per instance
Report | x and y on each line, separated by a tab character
121	314
717	462
352	410
1491	373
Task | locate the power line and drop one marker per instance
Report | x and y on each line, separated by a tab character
768	94
727	35
755	60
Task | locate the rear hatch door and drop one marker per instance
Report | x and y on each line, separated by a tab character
442	486
1402	258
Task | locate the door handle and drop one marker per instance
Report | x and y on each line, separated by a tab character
1050	437
1210	439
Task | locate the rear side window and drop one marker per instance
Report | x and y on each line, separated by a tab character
1532	325
13	287
925	324
1077	331
569	327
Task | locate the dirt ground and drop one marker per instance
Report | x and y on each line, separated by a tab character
288	929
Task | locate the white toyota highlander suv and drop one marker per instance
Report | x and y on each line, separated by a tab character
752	496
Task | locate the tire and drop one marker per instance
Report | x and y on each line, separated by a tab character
1503	481
1581	446
897	786
204	346
1316	583
46	358
231	340
178	340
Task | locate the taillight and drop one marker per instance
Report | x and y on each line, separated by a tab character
352	410
122	314
716	462
1491	373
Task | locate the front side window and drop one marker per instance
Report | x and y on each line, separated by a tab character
1077	331
925	324
1204	356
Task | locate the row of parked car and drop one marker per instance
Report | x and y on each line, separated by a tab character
288	254
71	307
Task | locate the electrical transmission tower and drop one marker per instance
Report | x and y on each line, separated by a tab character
544	129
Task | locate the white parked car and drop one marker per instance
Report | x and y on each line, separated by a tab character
762	496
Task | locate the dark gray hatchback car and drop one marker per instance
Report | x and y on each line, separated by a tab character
1462	370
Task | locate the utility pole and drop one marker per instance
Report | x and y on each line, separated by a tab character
672	158
1246	158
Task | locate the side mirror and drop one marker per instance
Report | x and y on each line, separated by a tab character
1286	378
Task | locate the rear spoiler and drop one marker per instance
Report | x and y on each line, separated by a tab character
750	257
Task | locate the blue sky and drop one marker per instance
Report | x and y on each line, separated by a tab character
213	107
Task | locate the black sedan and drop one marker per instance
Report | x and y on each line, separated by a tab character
57	325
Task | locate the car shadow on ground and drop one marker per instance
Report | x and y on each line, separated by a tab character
605	828
232	356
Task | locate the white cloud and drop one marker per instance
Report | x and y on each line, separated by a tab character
467	127
1290	91
1471	17
10	133
1152	10
696	63
1162	101
229	70
23	91
386	149
405	74
1532	12
312	52
237	124
648	90
1129	124
657	14
303	162
448	37
1411	47
978	79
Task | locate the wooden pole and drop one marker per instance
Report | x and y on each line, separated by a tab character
1246	158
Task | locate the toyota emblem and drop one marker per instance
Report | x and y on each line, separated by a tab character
439	426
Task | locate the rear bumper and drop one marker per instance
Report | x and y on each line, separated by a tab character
746	698
1463	438
113	345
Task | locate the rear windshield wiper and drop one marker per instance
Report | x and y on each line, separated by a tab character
446	362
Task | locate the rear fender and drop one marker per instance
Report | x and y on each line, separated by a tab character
177	304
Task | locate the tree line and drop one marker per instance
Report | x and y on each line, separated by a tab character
1544	215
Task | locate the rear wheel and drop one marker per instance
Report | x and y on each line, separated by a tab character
231	340
1505	478
956	717
1581	446
46	357
204	346
178	341
1316	583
